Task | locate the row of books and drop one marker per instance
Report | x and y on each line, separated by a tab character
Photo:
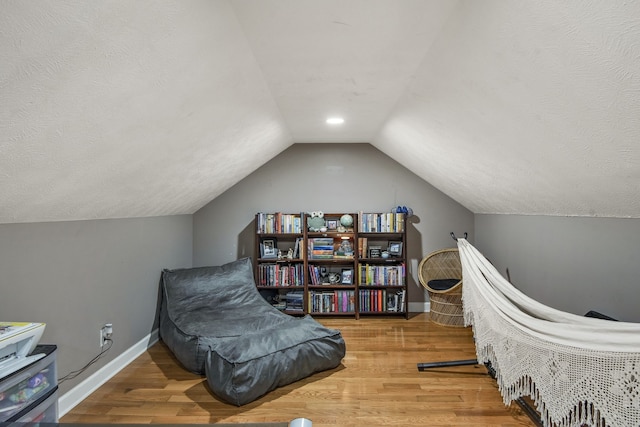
382	275
343	301
281	275
381	300
279	223
381	222
337	301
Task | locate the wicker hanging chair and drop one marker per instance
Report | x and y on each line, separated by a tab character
440	273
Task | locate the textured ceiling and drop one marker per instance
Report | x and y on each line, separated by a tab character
528	107
125	109
339	58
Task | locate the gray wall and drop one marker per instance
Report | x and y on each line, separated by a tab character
76	276
574	264
331	178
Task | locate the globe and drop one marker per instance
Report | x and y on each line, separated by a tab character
346	220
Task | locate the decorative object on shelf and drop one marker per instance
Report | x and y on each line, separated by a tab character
385	254
395	249
268	249
346	220
347	276
345	249
332	225
403	209
334	278
375	251
323	275
316	221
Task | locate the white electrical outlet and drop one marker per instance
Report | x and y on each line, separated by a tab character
105	333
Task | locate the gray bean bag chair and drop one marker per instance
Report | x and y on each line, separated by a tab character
215	322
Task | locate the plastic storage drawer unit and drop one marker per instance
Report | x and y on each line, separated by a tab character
45	411
27	388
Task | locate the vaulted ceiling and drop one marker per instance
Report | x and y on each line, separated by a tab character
116	108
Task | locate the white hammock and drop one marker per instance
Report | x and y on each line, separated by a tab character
578	370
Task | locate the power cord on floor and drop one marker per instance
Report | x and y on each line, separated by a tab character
71	375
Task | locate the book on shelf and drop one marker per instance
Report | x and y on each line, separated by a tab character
362	247
298	248
314	275
395	302
392	303
321	256
401	296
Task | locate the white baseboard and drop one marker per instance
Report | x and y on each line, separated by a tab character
73	397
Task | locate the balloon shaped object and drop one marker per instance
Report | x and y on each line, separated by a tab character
346	220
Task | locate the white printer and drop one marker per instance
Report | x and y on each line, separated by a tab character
17	341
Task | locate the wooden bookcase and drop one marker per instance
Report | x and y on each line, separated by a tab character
332	267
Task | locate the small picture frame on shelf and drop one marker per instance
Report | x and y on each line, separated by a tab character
332	224
375	252
395	249
347	276
268	249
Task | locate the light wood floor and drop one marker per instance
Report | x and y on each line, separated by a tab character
377	384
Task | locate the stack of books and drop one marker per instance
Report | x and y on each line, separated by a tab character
294	301
321	248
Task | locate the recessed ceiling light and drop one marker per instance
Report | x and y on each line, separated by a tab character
335	120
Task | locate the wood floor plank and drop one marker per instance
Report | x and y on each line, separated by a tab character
377	384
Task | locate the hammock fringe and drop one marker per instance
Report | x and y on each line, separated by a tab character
577	370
